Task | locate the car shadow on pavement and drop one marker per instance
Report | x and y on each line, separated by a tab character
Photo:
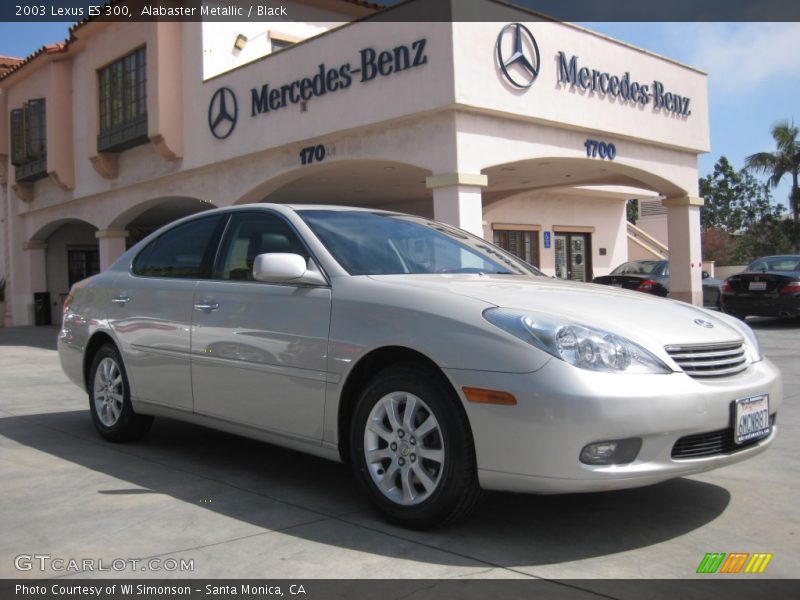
773	324
259	484
44	337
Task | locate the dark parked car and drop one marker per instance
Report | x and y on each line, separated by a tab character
768	287
652	277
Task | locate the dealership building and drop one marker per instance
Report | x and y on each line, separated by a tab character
530	133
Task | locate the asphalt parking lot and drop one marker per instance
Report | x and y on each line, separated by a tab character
239	508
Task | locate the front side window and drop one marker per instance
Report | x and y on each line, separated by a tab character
367	243
123	102
29	140
251	234
184	252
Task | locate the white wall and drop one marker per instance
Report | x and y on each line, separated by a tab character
547	209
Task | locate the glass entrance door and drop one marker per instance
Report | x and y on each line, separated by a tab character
573	252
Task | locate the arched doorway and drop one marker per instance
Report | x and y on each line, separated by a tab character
65	251
567	215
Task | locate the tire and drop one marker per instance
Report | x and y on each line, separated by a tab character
416	483
110	399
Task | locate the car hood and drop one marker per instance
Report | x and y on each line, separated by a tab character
651	321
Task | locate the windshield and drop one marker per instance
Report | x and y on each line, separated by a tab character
367	243
639	267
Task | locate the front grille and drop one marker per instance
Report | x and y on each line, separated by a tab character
709	360
712	443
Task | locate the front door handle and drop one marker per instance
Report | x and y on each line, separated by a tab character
122	299
206	305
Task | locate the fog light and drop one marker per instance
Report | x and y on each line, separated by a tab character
611	452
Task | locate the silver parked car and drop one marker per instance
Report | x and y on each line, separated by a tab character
433	362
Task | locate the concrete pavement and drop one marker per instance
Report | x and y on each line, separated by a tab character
240	508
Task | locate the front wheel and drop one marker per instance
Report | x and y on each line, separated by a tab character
412	449
110	399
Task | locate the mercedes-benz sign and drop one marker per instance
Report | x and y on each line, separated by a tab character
223	110
520	64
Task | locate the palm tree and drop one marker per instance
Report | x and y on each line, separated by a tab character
785	159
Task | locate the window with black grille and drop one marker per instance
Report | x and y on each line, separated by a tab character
123	103
82	263
522	244
29	140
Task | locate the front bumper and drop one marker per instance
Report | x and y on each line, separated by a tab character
535	445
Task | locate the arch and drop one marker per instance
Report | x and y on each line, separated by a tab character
541	173
358	182
45	231
162	208
60	253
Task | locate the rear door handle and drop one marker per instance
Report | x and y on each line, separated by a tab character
206	305
121	299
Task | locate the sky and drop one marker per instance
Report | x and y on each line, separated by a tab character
754	74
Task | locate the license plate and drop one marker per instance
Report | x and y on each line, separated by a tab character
619	285
751	419
757	286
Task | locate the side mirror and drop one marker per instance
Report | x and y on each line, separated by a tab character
281	267
706	275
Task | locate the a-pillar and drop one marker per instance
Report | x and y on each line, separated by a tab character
111	245
457	200
685	253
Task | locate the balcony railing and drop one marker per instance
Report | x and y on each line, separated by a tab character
130	134
31	171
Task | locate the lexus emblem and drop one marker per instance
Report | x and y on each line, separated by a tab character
520	66
704	323
223	111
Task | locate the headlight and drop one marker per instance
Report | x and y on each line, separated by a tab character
751	343
579	345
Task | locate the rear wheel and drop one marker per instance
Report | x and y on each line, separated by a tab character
412	449
110	399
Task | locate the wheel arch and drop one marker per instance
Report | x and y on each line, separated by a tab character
366	367
96	341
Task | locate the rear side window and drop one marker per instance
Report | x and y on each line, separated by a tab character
184	252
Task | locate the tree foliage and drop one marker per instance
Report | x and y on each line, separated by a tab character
784	160
738	220
734	200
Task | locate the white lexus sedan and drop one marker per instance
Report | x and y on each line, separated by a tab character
435	363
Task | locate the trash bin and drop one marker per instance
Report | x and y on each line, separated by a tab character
41	309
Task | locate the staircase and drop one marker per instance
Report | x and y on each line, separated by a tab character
647	241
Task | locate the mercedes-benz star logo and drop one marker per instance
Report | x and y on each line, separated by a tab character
522	67
704	323
223	111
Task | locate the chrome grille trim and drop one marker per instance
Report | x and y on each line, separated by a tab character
709	360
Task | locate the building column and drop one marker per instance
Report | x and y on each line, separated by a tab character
36	267
6	270
111	245
457	200
685	253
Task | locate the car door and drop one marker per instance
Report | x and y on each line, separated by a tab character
151	311
259	350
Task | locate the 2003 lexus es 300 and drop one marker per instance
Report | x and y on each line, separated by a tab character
435	363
